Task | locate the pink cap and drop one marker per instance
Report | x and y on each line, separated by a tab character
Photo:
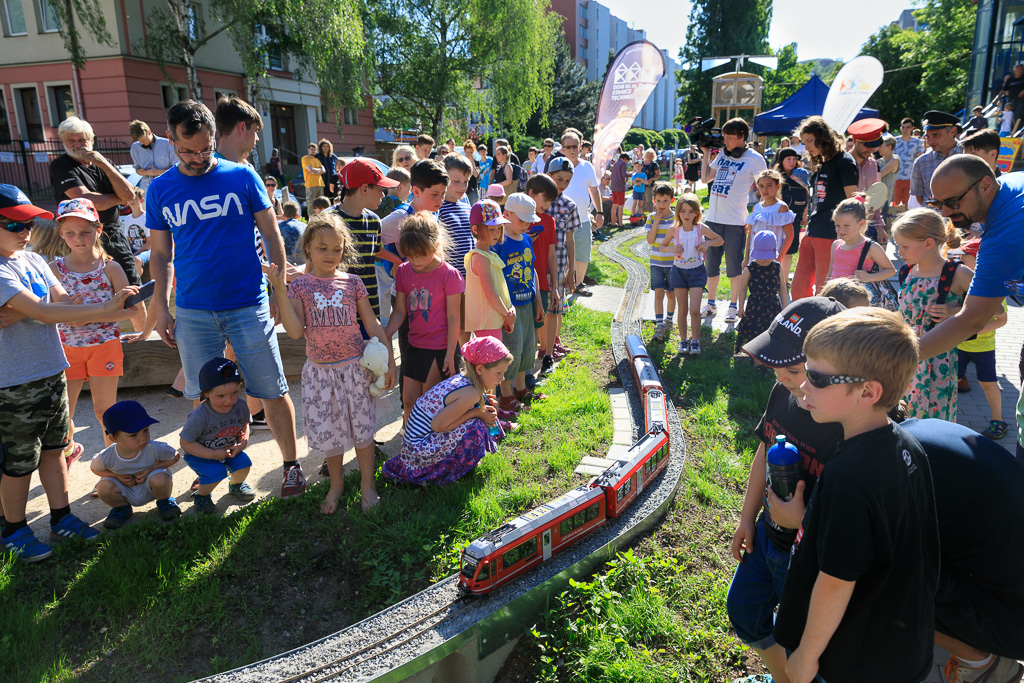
79	208
484	350
495	191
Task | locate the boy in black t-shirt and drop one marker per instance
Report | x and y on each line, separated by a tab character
762	541
859	601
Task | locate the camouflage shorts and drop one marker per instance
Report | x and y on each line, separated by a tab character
33	418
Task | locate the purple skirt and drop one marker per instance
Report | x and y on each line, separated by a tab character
441	458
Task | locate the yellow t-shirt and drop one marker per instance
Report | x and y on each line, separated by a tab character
983	342
480	315
312	179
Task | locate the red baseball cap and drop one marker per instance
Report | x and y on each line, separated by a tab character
78	208
16	206
359	172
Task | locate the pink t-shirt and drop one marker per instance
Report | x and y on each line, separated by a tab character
332	317
426	304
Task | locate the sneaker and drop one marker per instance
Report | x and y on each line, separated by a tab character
996	430
26	546
668	324
558	355
169	510
732	315
76	452
531	380
708	310
70	526
294	482
659	332
259	421
118	517
963	385
999	670
684	347
547	365
174	393
203	504
243	491
695	347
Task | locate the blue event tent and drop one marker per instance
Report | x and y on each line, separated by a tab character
807	101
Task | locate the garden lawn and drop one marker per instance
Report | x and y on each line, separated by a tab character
178	601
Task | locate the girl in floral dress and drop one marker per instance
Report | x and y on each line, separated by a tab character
923	236
93	349
447	433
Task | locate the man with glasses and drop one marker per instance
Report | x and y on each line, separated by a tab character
540	164
201	215
908	148
941	130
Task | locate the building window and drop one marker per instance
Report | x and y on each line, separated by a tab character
579	51
193	21
49	21
223	95
173	94
351	117
5	121
275	58
583	10
28	102
583	31
62	104
15	18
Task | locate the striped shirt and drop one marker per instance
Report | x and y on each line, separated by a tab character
365	231
567	219
924	168
662	259
454	216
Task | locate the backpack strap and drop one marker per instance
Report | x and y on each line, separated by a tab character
864	254
946	280
904	272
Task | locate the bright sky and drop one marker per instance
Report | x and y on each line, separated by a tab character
846	28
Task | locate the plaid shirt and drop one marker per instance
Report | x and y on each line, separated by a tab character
567	219
924	168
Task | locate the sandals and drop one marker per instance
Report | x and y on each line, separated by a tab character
528	396
510	404
581	290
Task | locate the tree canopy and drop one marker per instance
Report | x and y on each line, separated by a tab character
573	97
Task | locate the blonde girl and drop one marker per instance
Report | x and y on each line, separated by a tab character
325	305
489	307
771	213
428	292
89	276
923	236
691	239
849	258
46	240
677	177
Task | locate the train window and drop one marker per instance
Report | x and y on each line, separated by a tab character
485	572
519	553
578	520
593	512
627	486
468	568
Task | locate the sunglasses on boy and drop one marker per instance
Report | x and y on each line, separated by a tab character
17	227
819	380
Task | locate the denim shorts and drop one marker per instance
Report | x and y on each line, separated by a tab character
201	336
689	278
212	471
984	363
661	277
756	589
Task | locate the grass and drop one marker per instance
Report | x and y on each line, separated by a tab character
657	613
179	601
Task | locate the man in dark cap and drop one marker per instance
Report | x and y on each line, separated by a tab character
940	130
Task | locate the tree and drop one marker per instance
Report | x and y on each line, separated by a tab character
944	50
718	27
438	60
784	80
675	138
643	136
573	97
900	94
89	13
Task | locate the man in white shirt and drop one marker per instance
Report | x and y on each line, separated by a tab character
585	190
729	177
540	164
151	154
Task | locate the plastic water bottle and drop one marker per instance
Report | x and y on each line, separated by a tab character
783	468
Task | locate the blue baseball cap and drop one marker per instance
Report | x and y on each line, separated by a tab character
126	416
216	372
16	206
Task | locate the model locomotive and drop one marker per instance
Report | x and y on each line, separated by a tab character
518	546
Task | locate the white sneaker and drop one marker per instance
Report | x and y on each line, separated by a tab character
1001	670
708	310
684	347
732	315
695	347
659	332
668	326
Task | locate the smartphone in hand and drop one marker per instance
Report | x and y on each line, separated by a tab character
145	292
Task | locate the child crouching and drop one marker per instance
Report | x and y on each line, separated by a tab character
216	433
134	469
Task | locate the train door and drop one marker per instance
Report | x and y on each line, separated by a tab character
639	481
546	542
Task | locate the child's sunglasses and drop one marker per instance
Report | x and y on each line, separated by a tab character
17	227
820	380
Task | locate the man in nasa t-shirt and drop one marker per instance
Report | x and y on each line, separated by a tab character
729	177
202	212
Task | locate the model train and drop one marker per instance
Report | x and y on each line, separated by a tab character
534	537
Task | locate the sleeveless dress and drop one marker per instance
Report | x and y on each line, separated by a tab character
763	302
439	458
933	389
773	219
844	261
95	288
480	315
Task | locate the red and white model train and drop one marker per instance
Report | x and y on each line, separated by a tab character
534	537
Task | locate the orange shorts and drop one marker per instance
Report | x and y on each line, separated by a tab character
102	360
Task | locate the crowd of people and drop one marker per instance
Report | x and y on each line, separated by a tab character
470	260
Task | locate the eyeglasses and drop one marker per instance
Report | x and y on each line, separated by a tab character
17	227
548	146
204	154
401	159
271	184
954	202
820	380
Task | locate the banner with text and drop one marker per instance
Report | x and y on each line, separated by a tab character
850	90
631	78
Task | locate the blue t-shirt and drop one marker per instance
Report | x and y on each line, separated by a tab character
211	222
29	350
1000	257
291	232
641	177
518	258
485	171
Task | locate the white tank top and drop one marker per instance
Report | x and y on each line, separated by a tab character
690	258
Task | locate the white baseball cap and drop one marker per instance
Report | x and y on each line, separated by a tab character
521	205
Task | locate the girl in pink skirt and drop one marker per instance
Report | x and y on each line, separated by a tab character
326	305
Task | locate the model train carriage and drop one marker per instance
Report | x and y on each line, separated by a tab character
646	377
516	547
625	480
635	347
656	411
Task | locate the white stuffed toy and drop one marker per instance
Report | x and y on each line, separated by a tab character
375	359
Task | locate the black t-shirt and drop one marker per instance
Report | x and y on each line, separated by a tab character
979	495
827	185
816	443
1014	86
66	173
795	196
474	180
652	169
978	123
871	520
